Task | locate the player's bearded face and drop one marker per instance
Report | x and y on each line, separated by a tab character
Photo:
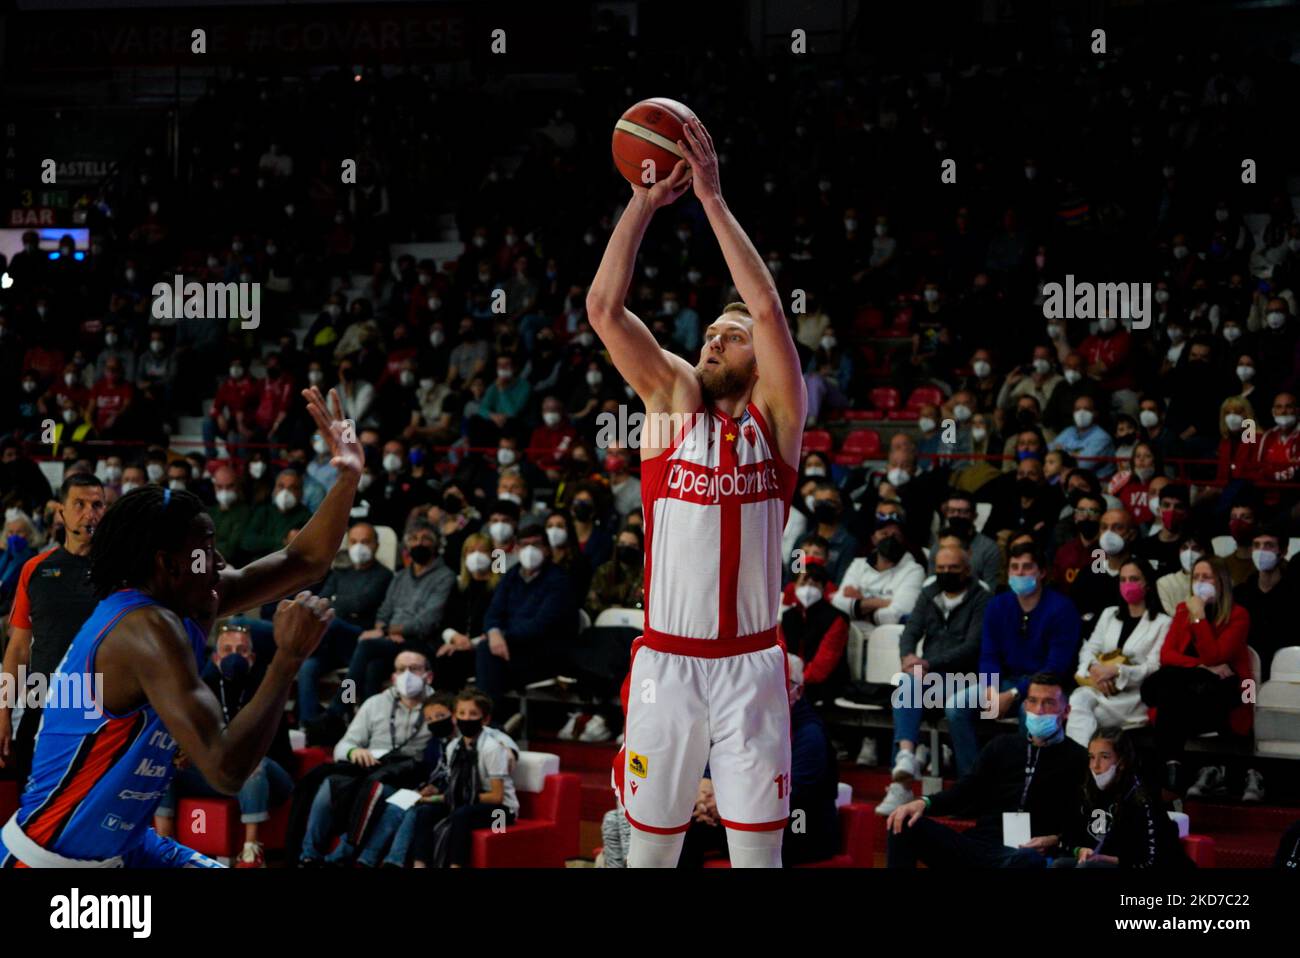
730	376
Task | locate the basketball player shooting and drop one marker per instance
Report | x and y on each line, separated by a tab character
707	683
100	768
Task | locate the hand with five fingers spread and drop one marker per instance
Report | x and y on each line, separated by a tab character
703	159
339	433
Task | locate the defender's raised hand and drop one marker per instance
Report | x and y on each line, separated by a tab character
339	433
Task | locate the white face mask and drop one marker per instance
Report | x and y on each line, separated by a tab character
110	339
1053	330
360	553
1286	422
437	338
1232	333
814	472
981	368
510	497
392	462
1106	324
427	384
925	424
1072	376
1265	559
962	412
1162	296
1112	542
1188	558
285	500
226	498
807	595
1205	591
320	445
1042	367
594	378
828	343
552	419
406	378
1103	779
530	557
408	684
584	340
1276	320
505	372
154	471
69	378
1149	418
1083	418
476	562
128	486
978	433
897	476
157	345
1233	421
113	473
931	295
69	416
257	469
315	377
501	532
506	457
557	536
176	485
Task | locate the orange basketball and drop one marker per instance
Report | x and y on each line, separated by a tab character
645	140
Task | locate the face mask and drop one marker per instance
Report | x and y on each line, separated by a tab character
1180	252
392	462
962	412
1087	528
1023	584
1106	324
476	562
651	272
1286	422
584	340
925	424
505	372
825	511
1083	418
442	728
931	295
315	377
978	433
890	549
1132	592
981	368
68	378
510	497
807	595
593	378
16	543
505	457
671	306
1276	320
557	536
427	384
1112	542
406	378
1265	559
814	472
1245	373
421	554
113	473
693	276
1041	726
257	469
1072	376
1144	473
470	728
437	338
1149	418
285	500
110	339
69	416
226	498
1042	367
950	582
320	446
1205	591
501	532
552	419
897	476
1188	558
360	553
154	471
1233	420
128	486
1053	331
530	557
1103	779
408	684
1162	296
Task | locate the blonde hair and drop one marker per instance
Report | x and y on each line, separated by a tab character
1222	587
471	544
1241	404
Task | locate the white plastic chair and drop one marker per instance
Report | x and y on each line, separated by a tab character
387	551
584	621
1223	546
1286	665
982	512
883	660
621	618
532	768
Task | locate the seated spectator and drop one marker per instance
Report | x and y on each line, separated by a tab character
620	583
882	587
235	681
1237	459
1119	823
1076	555
818	634
356	593
1130	484
828	515
231	417
949	619
810	549
1126	434
623	486
1086	440
501	522
390	726
1241	526
270	521
480	790
1043	784
554	435
410	617
507	398
21	542
530	620
386	835
1030	506
231	517
1160	549
466	612
593	539
1174	587
1123	650
1097	585
957	512
1269	596
1032	628
1204	664
1279	447
1056	464
563	537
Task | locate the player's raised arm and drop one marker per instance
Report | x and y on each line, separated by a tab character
780	389
307	559
647	368
152	648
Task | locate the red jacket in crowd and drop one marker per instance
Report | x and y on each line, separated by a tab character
1215	645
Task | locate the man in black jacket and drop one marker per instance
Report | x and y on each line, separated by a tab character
1039	777
949	619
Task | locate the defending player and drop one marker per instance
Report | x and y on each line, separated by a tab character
97	778
708	678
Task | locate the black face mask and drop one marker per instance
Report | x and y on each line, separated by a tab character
441	728
583	511
234	668
950	581
1027	488
452	503
825	512
629	556
421	555
1088	528
469	727
890	549
1026	419
962	526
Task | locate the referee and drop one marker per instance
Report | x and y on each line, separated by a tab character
54	598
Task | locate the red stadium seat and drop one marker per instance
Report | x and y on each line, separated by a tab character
210	826
861	415
857	841
1200	849
885	398
859	445
925	394
544	835
904	415
308	758
8	799
818	440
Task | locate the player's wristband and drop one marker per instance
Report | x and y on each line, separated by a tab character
928	801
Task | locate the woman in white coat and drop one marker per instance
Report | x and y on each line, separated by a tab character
1124	649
